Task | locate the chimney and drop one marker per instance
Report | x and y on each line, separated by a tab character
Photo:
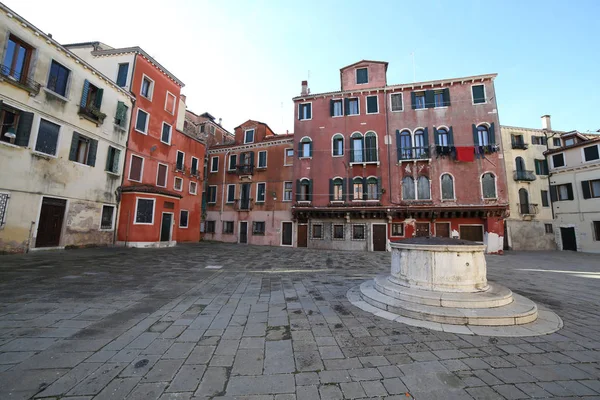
183	97
546	122
304	88
220	120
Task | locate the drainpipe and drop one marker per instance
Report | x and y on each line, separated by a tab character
549	172
387	133
225	166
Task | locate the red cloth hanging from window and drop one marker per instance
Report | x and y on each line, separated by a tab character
465	153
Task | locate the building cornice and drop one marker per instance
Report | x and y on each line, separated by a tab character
249	146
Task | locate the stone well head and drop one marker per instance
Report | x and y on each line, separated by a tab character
439	264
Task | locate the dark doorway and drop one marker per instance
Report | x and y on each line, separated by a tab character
442	229
302	235
422	229
471	232
165	227
50	223
245	197
569	241
243	232
379	237
286	233
524	201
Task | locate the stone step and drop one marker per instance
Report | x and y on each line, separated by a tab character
519	311
495	296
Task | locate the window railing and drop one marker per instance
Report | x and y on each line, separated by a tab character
413	153
519	145
523	175
244	169
19	80
243	204
528	209
92	113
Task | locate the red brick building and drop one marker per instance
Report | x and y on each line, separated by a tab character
249	188
378	162
207	128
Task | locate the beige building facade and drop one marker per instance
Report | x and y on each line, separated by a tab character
62	143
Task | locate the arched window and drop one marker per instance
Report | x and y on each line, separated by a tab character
303	189
305	147
370	146
442	135
338	145
372	188
408	188
357	147
447	187
357	188
524	201
423	189
419	143
405	146
488	185
337	193
520	164
483	135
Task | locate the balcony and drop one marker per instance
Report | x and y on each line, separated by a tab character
524	176
413	153
244	204
528	209
20	81
244	169
91	113
519	145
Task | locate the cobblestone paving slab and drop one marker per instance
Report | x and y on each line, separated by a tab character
274	323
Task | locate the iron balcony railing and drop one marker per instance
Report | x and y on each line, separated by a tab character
519	145
244	169
243	204
20	80
523	175
413	153
528	209
92	113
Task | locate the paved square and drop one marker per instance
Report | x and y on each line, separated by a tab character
274	323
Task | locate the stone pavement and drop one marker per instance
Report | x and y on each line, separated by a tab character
273	323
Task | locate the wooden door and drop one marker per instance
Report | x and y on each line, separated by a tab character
569	241
165	227
379	237
422	229
472	232
243	232
286	233
302	235
442	229
50	223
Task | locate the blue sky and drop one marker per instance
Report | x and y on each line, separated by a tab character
245	59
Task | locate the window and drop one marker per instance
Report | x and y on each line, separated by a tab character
230	193
17	59
442	136
166	133
357	189
261	192
548	228
561	192
180	163
352	107
483	136
591	189
3	207
596	230
421	149
540	140
289	155
423	188
161	175
447	187
59	76
178	184
478	93
396	102
362	76
202	128
336	108
183	218
419	100
372	189
408	188
232	162
591	153
228	227
545	202
305	149
304	111
370	147
303	190
135	168
372	104
356	147
122	74
317	231
262	159
337	145
358	232
170	103
193	187
211	194
141	122
91	101
249	136
211	128
121	114
438	98
558	160
541	167
520	163
337	189
398	229
569	142
214	164
194	169
338	231
47	139
112	160
258	227
147	87
210	226
488	184
556	142
16	125
107	218
405	146
287	191
83	150
144	211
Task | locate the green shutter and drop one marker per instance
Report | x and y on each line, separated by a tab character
297	189
436	136
585	186
365	189
413	100
478	94
309	111
350	189
310	189
429	99
299	151
346	106
426	141
92	153
398	144
98	99
84	93
330	189
121	114
344	189
475	136
569	191
310	149
251	160
331	107
74	144
446	96
553	193
351	150
492	134
24	129
379	188
545	166
537	167
450	137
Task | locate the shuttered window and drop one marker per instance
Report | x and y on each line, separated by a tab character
336	108
396	100
83	149
212	194
121	114
112	160
305	111
541	167
58	78
338	145
165	137
545	201
47	139
488	185
141	122
372	105
478	92
135	171
122	74
230	194
591	153
194	169
447	187
362	76
558	160
180	163
161	175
